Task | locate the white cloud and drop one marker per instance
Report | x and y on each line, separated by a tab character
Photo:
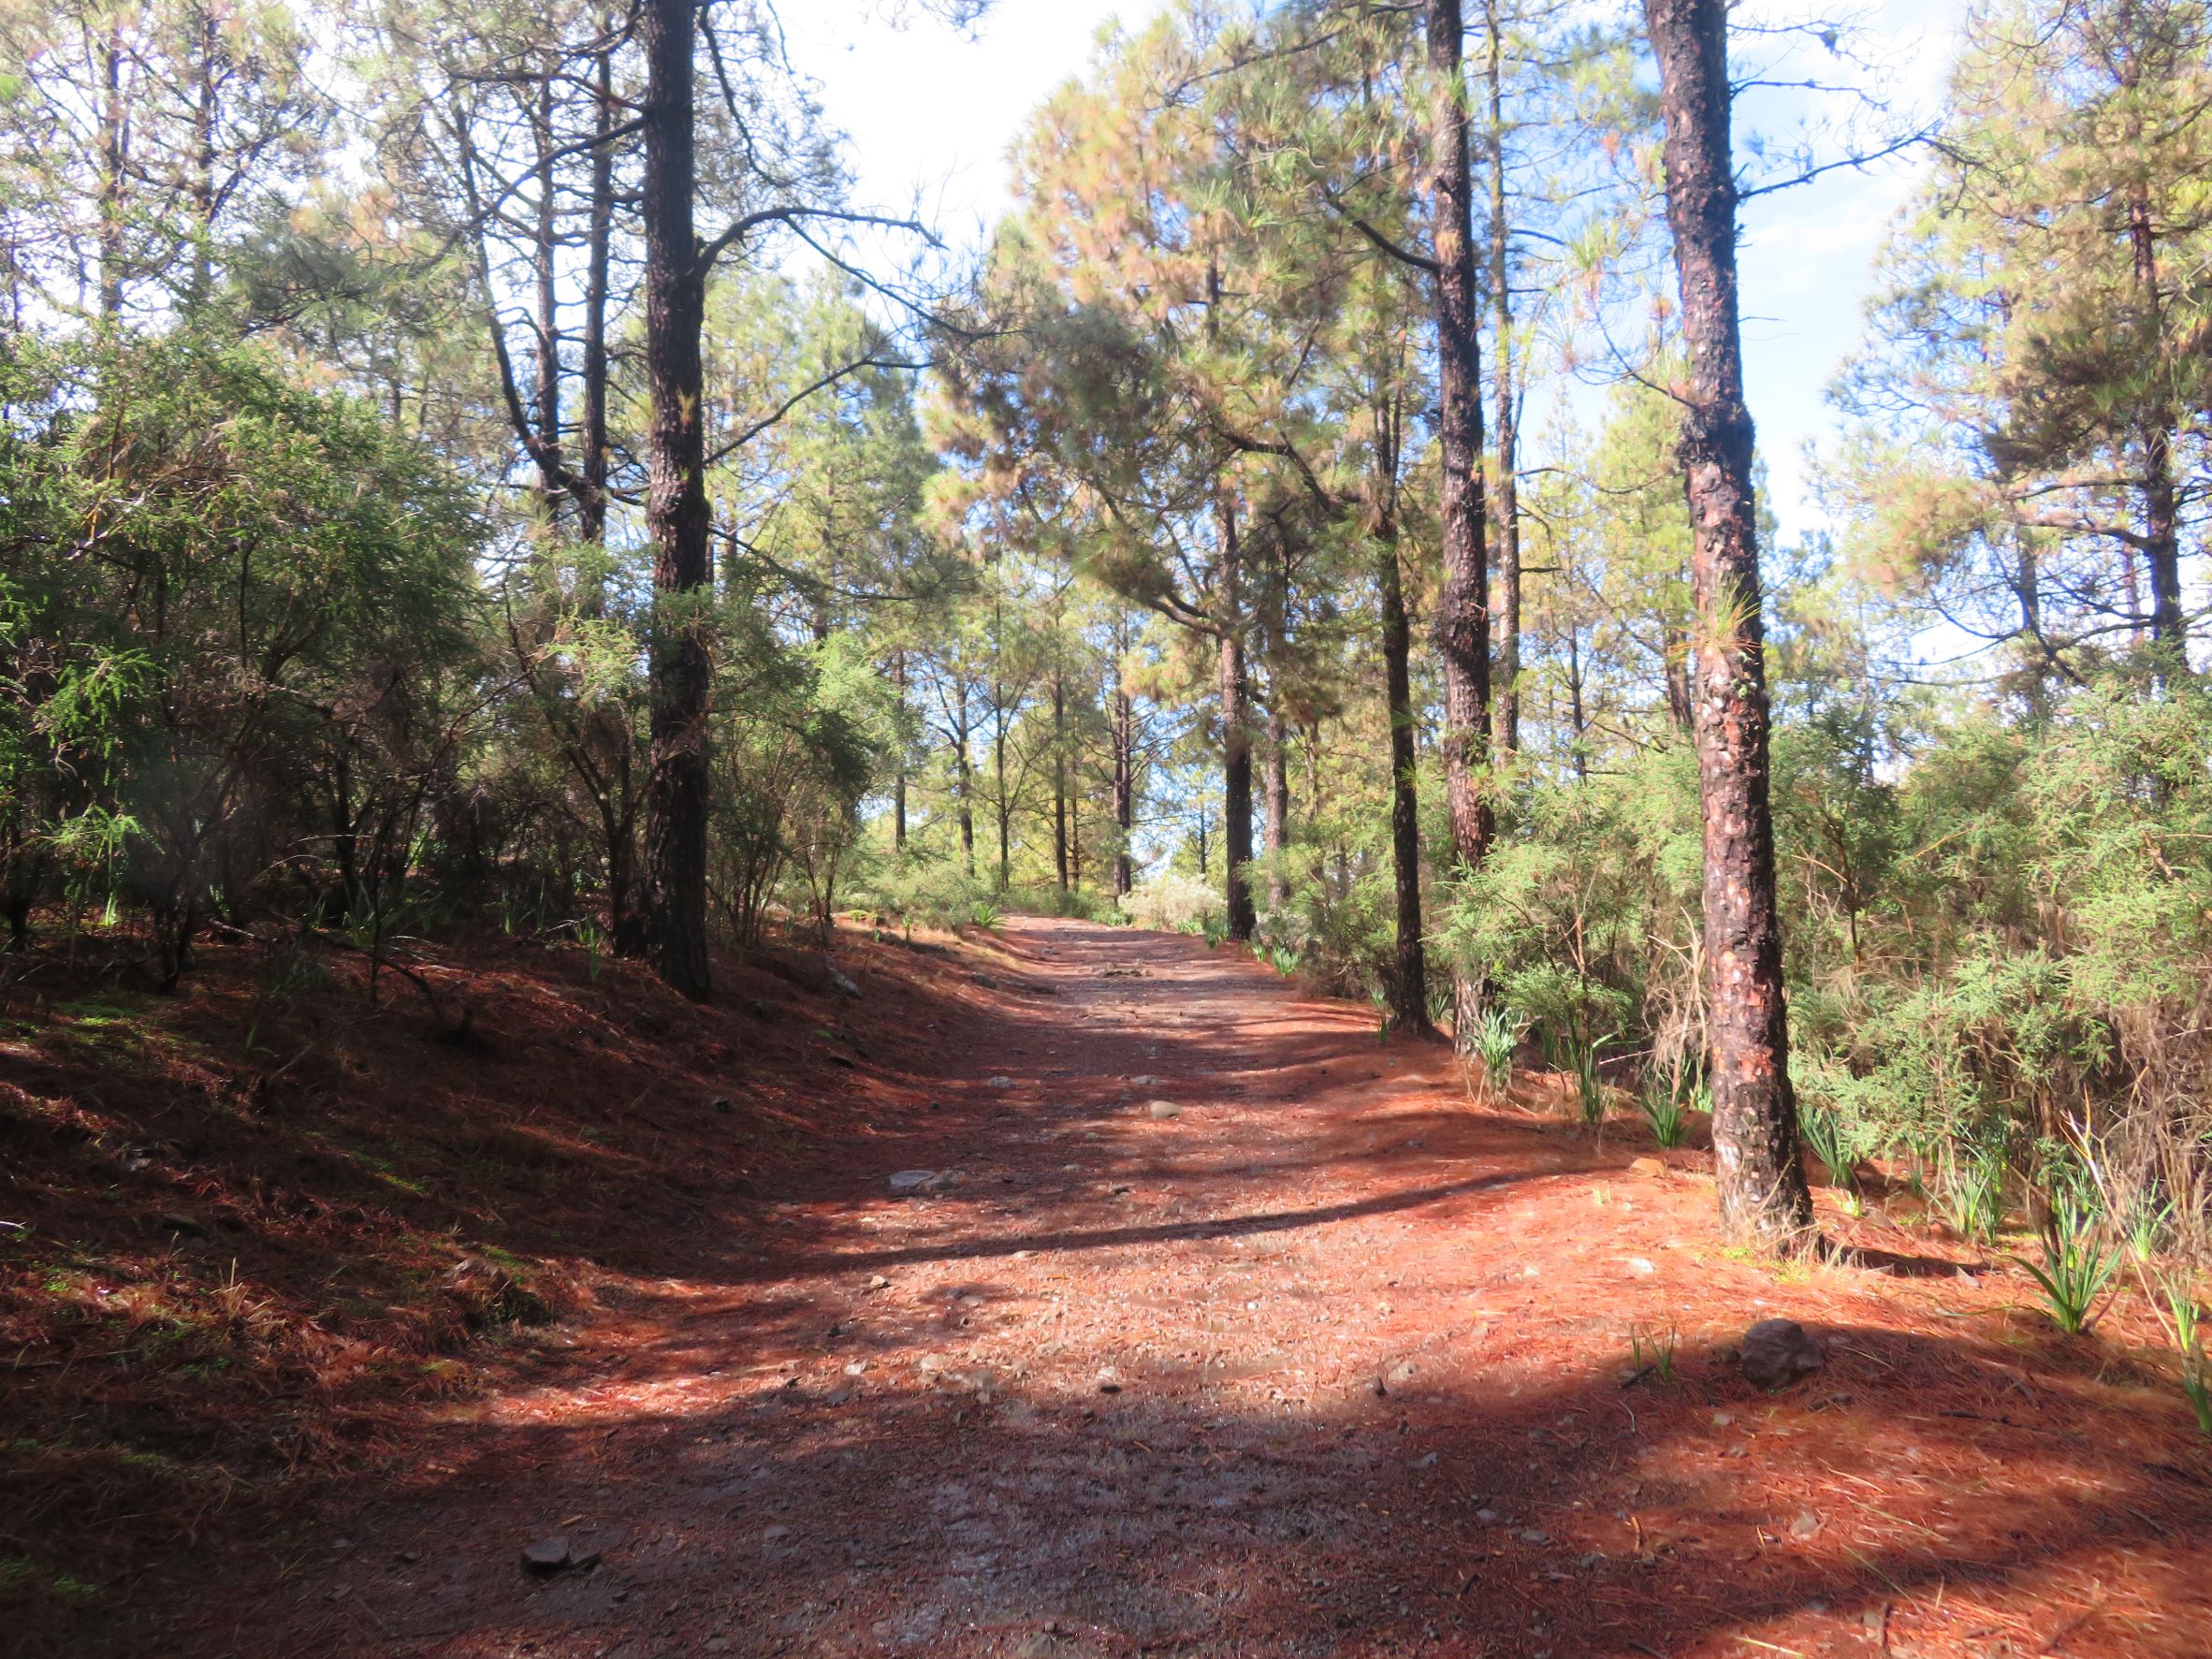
930	110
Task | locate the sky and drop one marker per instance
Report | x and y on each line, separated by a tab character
930	112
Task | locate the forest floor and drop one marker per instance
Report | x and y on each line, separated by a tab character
1217	1328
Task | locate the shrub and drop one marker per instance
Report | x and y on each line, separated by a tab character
1173	903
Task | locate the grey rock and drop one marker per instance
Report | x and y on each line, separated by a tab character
1164	1109
548	1555
170	1221
1777	1352
913	1180
841	982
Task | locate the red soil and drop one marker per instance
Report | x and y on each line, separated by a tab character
1332	1363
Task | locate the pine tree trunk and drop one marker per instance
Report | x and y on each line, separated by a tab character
544	254
1060	781
1236	731
629	921
114	151
1313	800
963	786
1277	816
1578	723
1462	605
1760	1170
591	508
2161	514
1505	483
206	111
679	667
898	780
1001	805
1409	976
1124	785
1676	645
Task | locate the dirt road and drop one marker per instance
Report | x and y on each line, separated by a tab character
1219	1328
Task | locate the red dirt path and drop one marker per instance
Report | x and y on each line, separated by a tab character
1331	1363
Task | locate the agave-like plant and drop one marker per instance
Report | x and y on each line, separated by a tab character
1589	1084
1661	1102
2077	1265
1497	1038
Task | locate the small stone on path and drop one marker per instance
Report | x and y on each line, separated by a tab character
909	1181
548	1555
1777	1352
1647	1166
1164	1109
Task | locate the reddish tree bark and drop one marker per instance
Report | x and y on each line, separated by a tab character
1409	971
1462	605
1236	729
1277	813
1125	778
1505	481
1761	1171
680	668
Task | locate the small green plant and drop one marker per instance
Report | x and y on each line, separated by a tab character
291	969
1972	1189
986	915
593	938
2196	1370
1215	928
1497	1037
2196	1382
1283	959
2188	1317
2076	1265
1661	1102
1589	1084
2148	1222
1650	1354
1834	1141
